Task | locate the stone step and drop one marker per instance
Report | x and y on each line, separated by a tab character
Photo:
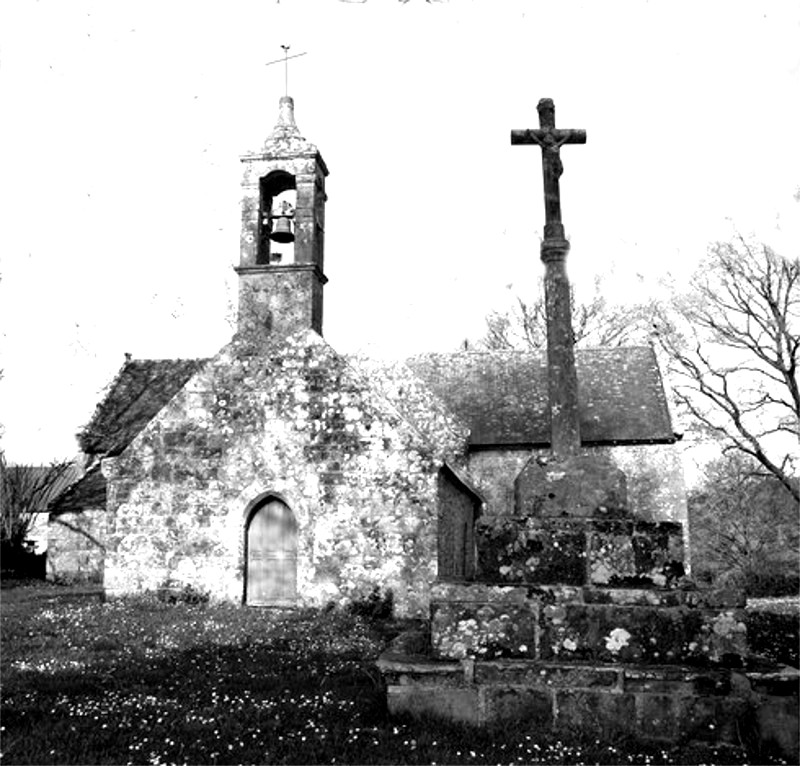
662	703
698	598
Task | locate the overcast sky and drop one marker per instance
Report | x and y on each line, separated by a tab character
123	122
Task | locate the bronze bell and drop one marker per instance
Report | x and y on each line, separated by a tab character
282	229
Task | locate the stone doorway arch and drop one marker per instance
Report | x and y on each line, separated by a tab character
271	554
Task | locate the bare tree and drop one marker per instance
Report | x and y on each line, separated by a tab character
734	344
597	322
26	490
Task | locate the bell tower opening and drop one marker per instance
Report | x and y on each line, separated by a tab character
276	220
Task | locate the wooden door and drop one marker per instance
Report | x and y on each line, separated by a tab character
272	555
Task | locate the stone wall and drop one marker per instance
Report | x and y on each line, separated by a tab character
300	423
75	546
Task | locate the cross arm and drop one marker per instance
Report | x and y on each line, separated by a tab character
560	136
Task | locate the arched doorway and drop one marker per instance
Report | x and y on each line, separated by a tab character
271	553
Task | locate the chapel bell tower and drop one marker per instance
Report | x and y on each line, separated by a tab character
282	242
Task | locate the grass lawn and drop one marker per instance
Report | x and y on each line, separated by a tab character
139	681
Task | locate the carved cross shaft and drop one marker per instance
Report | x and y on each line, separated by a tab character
550	139
565	433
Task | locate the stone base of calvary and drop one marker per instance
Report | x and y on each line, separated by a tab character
578	615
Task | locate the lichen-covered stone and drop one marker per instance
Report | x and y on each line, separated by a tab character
635	553
589	484
529	550
460	630
298	422
614	634
577	551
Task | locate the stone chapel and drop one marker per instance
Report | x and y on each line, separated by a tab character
280	472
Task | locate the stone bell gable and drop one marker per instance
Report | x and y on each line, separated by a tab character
351	485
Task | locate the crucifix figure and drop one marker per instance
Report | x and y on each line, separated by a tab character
550	139
565	437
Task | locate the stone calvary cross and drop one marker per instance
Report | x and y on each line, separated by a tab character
565	436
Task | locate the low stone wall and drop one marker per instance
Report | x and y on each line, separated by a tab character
76	546
651	703
656	664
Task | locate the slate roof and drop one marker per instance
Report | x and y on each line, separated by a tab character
140	390
502	395
88	492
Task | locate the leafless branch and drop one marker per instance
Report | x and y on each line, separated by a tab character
734	343
596	322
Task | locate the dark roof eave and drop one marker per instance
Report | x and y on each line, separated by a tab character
476	446
89	492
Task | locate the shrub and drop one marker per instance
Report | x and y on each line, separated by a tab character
376	606
772	583
775	636
171	593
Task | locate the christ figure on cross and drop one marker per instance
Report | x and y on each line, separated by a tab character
550	139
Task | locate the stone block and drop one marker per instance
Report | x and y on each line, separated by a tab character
577	551
716	598
484	631
519	703
635	553
714	719
397	671
519	672
776	722
784	682
595	711
658	717
452	704
660	680
527	550
622	634
583	485
634	596
460	591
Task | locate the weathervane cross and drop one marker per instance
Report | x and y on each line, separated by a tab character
285	61
550	139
